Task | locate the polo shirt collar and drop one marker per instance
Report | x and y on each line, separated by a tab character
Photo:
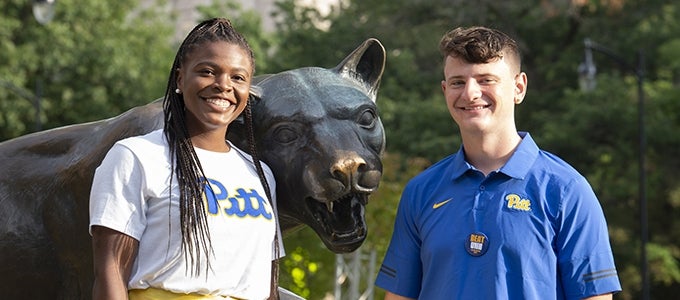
521	161
459	165
517	166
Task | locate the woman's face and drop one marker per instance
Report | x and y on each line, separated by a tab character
215	81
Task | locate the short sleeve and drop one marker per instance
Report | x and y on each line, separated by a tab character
585	258
401	270
116	197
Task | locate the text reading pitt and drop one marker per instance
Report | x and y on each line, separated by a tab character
516	202
242	203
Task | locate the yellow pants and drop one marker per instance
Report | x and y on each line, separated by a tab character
158	294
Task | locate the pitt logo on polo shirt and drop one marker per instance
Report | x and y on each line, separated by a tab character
515	202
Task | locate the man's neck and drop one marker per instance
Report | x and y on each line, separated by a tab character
489	152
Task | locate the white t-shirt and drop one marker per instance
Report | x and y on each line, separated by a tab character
130	194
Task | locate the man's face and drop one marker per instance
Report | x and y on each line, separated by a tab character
481	97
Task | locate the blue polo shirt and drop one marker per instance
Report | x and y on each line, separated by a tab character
532	230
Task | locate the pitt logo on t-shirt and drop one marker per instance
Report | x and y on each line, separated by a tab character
514	201
241	204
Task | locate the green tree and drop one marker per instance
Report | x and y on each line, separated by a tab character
94	60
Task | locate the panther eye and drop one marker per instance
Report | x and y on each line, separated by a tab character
285	135
367	119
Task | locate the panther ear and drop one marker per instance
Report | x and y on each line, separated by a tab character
255	92
365	65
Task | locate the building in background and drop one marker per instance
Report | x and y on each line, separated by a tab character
186	16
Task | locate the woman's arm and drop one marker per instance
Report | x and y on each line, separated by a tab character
114	254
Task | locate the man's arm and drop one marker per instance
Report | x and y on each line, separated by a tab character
390	296
600	297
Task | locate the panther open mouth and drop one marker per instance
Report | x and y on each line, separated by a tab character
340	223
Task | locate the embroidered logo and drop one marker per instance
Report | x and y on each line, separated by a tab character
439	204
516	202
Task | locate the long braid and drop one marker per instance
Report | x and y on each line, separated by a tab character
185	164
191	180
265	184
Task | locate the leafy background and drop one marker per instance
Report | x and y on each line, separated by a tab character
99	58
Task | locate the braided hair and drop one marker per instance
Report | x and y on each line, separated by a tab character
185	163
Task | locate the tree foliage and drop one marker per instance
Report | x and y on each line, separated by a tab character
94	60
97	58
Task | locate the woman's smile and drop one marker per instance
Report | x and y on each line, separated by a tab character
221	104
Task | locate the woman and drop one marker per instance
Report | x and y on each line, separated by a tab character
181	212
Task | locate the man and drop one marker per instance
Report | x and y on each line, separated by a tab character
499	219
